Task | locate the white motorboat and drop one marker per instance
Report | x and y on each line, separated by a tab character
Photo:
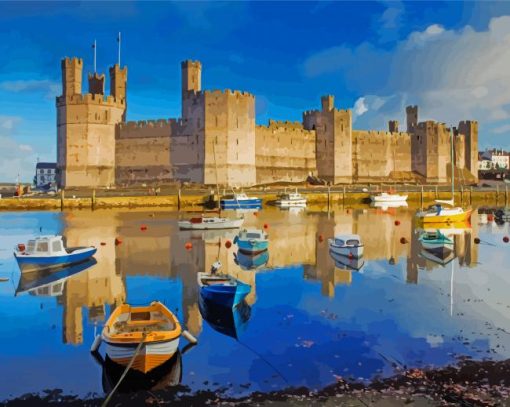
347	245
292	199
214	222
387	198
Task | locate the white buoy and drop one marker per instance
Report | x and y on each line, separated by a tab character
96	343
189	337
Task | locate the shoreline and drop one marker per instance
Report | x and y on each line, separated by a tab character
469	383
196	200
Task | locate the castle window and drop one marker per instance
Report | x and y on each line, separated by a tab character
237	121
237	141
216	118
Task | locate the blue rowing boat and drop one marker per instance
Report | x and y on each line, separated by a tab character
240	201
222	289
49	251
250	261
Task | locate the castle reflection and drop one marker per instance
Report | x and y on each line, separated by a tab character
295	240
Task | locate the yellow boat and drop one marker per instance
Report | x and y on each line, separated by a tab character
154	325
444	215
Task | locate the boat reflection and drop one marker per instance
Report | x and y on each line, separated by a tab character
50	281
251	262
386	205
167	375
225	320
344	262
441	257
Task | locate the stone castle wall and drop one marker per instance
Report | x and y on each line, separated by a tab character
284	151
380	154
216	141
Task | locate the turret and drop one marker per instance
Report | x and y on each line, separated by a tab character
393	126
328	103
412	118
118	81
191	76
71	76
96	84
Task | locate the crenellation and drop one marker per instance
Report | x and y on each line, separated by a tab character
216	140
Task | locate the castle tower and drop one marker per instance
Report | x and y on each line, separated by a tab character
71	76
191	76
327	103
393	126
469	129
96	84
333	141
412	118
118	85
86	127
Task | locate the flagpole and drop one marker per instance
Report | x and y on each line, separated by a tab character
119	41
95	47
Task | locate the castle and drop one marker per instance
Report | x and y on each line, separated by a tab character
216	140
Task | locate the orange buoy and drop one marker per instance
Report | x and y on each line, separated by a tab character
143	227
255	214
228	244
103	243
350	256
117	241
403	240
506	239
397	222
477	240
266	226
188	245
490	217
321	238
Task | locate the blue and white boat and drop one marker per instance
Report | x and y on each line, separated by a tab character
436	243
252	241
222	289
225	320
240	201
250	261
49	251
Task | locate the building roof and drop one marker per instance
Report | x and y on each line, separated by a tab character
46	165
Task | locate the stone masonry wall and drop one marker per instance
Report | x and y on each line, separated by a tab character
285	151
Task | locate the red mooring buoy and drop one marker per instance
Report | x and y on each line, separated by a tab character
118	241
188	245
477	240
397	222
506	239
403	240
228	244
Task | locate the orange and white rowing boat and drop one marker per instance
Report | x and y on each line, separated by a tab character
154	325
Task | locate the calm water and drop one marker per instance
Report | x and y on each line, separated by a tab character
306	320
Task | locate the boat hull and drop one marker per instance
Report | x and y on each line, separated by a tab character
251	261
252	247
150	356
241	204
447	218
344	262
300	203
231	224
348	251
227	296
31	263
388	198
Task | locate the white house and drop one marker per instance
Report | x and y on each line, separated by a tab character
493	159
45	173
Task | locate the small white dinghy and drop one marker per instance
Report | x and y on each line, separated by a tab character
347	245
214	222
387	198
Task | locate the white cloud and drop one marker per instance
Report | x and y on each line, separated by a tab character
451	74
502	129
50	88
15	158
359	107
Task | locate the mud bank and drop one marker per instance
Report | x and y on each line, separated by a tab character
470	383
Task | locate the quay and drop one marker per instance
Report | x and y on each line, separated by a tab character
196	199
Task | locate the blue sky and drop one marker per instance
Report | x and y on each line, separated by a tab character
450	58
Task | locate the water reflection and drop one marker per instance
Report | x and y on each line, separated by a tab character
300	281
165	376
225	320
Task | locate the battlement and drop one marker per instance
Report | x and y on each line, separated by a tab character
228	92
91	98
280	124
142	124
72	60
190	63
381	137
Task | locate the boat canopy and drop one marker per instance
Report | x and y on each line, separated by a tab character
446	202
